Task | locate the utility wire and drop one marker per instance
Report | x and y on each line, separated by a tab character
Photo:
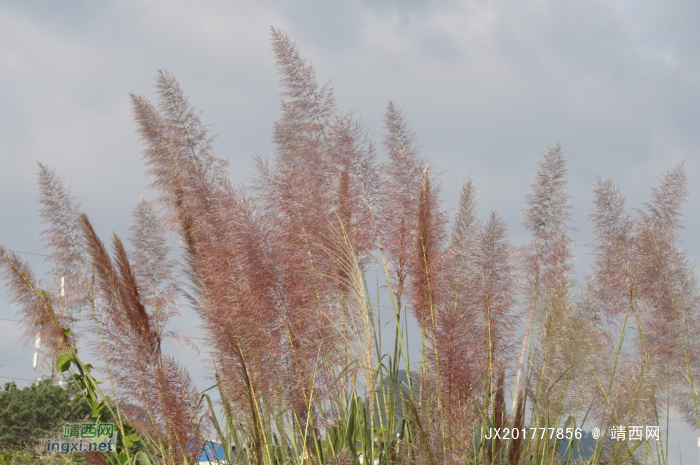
32	253
19	321
18	379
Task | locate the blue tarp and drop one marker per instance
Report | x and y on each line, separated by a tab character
212	451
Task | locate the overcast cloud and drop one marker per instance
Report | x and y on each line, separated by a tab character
486	84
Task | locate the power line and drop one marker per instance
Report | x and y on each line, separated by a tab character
32	253
19	321
18	379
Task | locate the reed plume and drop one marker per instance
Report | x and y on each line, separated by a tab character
403	182
153	270
548	219
38	307
457	364
143	377
312	191
614	266
495	298
614	288
426	258
460	370
61	235
202	204
546	261
669	288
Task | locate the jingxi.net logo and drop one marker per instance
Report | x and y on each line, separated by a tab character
82	437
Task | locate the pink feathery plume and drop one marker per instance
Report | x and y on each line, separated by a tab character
301	133
171	172
668	288
126	329
300	88
138	317
61	234
305	236
242	329
665	208
546	261
189	138
547	217
310	181
666	281
168	167
358	184
241	286
329	157
178	153
320	189
617	287
152	268
495	296
179	397
204	207
37	306
323	191
614	271
187	174
456	332
133	351
426	260
403	180
611	289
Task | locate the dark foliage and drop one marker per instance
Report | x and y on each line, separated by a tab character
35	412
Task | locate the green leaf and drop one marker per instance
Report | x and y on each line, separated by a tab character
67	332
130	440
97	409
141	457
63	362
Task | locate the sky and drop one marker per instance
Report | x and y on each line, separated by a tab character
487	85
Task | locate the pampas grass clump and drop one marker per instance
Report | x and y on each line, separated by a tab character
277	274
